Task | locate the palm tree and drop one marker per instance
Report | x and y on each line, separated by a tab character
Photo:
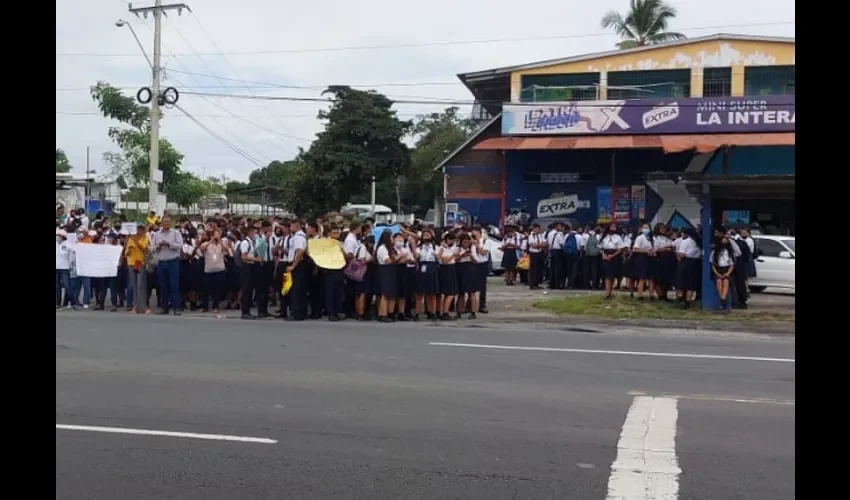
644	24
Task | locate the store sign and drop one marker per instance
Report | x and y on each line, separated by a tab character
562	205
652	116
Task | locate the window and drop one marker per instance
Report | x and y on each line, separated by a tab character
563	87
769	80
791	245
650	84
769	248
717	82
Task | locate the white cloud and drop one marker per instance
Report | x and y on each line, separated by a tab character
265	25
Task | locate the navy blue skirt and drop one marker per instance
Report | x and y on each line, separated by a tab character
689	274
509	260
640	266
405	278
664	271
610	268
427	279
367	285
387	281
448	279
467	277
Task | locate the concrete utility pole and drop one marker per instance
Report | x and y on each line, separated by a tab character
158	10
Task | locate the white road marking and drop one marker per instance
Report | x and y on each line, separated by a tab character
620	353
728	399
147	432
646	467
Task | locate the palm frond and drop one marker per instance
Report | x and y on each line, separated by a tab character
666	36
616	22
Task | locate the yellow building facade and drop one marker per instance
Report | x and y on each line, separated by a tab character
731	56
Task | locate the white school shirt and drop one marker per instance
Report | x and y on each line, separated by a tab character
627	241
723	260
581	240
479	258
513	240
660	242
557	241
427	253
534	239
247	247
363	254
642	242
445	252
350	244
297	242
408	254
612	242
689	249
677	243
736	250
382	254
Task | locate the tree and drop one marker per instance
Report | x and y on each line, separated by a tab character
62	163
645	23
436	135
362	138
134	138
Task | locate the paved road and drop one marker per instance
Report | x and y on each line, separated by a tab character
354	411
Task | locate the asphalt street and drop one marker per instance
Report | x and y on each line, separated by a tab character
274	410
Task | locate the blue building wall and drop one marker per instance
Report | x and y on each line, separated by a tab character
773	160
482	210
631	167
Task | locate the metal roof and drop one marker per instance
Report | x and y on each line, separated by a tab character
491	73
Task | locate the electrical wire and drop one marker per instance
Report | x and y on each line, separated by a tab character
222	140
584	104
425	44
96	113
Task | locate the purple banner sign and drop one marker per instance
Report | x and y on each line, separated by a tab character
652	116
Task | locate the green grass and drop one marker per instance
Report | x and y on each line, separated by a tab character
622	307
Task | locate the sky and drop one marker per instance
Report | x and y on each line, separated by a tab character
406	50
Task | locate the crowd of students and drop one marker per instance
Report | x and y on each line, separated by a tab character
646	261
232	262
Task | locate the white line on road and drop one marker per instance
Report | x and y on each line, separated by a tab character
646	467
728	399
146	432
620	353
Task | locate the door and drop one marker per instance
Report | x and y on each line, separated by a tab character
772	270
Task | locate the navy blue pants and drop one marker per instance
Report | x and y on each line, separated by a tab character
63	282
168	279
213	289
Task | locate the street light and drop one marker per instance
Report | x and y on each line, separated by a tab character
122	23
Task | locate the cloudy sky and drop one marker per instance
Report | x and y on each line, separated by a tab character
407	50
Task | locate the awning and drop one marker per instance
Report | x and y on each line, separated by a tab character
669	143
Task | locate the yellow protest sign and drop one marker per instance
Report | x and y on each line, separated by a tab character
327	254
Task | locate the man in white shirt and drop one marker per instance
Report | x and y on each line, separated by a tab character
349	248
248	275
556	257
536	246
299	267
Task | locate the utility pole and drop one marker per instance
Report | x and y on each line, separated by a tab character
156	95
87	189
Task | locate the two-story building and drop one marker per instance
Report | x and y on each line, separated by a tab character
655	133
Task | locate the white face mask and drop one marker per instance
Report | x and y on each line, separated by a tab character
399	245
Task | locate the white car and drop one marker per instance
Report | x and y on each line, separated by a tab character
494	243
775	263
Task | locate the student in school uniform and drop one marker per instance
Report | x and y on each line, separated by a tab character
265	268
690	266
281	263
557	259
536	248
334	284
509	248
350	244
467	273
722	267
664	270
299	266
388	258
482	265
405	275
590	257
642	258
523	250
248	275
316	287
366	288
612	246
215	271
627	271
427	280
447	255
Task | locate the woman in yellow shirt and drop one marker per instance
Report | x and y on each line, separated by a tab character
135	251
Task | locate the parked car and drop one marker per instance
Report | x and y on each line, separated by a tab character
494	243
775	262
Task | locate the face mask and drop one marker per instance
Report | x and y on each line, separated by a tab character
645	231
399	244
426	240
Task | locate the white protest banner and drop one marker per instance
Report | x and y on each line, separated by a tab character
97	261
129	228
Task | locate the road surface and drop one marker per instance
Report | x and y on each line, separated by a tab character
192	408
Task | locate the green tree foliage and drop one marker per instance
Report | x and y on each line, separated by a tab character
62	163
645	23
133	137
362	138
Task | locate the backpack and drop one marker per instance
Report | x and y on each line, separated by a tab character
592	246
237	252
570	244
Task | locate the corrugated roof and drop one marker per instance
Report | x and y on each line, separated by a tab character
490	73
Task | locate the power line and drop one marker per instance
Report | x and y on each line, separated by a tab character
421	44
222	140
96	113
586	104
322	87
